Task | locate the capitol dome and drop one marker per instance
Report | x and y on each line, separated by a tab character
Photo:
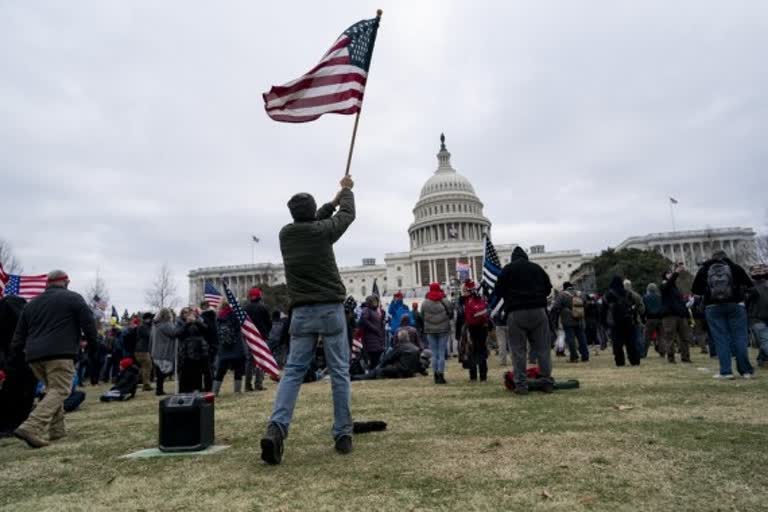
448	210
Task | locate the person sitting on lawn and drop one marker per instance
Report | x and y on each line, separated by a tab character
402	362
127	381
411	332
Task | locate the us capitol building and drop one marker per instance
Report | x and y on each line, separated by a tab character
447	234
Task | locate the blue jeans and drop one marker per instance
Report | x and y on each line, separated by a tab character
438	344
728	328
307	323
760	330
578	333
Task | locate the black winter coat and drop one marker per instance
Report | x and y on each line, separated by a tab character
523	284
143	336
741	282
259	315
51	325
127	381
672	299
192	345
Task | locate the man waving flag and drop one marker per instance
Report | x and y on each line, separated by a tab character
254	340
334	86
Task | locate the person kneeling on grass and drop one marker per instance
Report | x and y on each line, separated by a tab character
401	362
127	381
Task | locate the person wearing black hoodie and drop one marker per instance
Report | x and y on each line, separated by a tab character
622	319
524	286
208	316
142	357
676	317
725	287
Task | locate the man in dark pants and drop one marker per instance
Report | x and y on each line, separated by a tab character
524	287
49	333
208	316
676	316
17	389
316	294
259	315
569	308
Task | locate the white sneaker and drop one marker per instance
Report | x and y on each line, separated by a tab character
723	377
748	376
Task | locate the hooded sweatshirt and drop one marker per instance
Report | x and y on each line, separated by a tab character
523	284
311	273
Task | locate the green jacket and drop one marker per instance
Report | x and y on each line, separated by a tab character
310	264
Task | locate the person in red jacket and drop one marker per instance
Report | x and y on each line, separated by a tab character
476	316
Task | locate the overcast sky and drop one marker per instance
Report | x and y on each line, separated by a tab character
133	133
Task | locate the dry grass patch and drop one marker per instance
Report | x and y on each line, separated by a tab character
680	441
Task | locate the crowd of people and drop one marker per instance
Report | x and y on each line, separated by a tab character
55	339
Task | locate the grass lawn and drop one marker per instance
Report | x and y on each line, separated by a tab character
657	437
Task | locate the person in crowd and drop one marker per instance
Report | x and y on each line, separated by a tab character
700	331
677	330
111	368
192	351
639	311
476	317
261	318
757	305
417	320
142	356
372	325
128	336
401	362
654	314
569	309
405	326
458	326
524	286
208	316
437	311
725	287
48	332
232	350
592	320
622	318
275	340
17	383
395	312
127	382
316	294
163	342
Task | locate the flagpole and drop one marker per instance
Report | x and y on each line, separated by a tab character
379	12
672	214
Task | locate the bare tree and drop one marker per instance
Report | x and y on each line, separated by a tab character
10	263
97	287
162	293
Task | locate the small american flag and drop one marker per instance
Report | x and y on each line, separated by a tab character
334	86
211	295
26	287
256	343
491	267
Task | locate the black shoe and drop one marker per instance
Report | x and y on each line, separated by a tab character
548	388
258	387
248	386
441	379
436	376
344	444
272	445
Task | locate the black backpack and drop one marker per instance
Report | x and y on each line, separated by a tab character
229	332
720	281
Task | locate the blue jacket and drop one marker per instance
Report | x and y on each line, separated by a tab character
396	311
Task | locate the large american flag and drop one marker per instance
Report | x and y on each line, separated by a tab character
334	86
491	267
211	295
27	287
256	343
